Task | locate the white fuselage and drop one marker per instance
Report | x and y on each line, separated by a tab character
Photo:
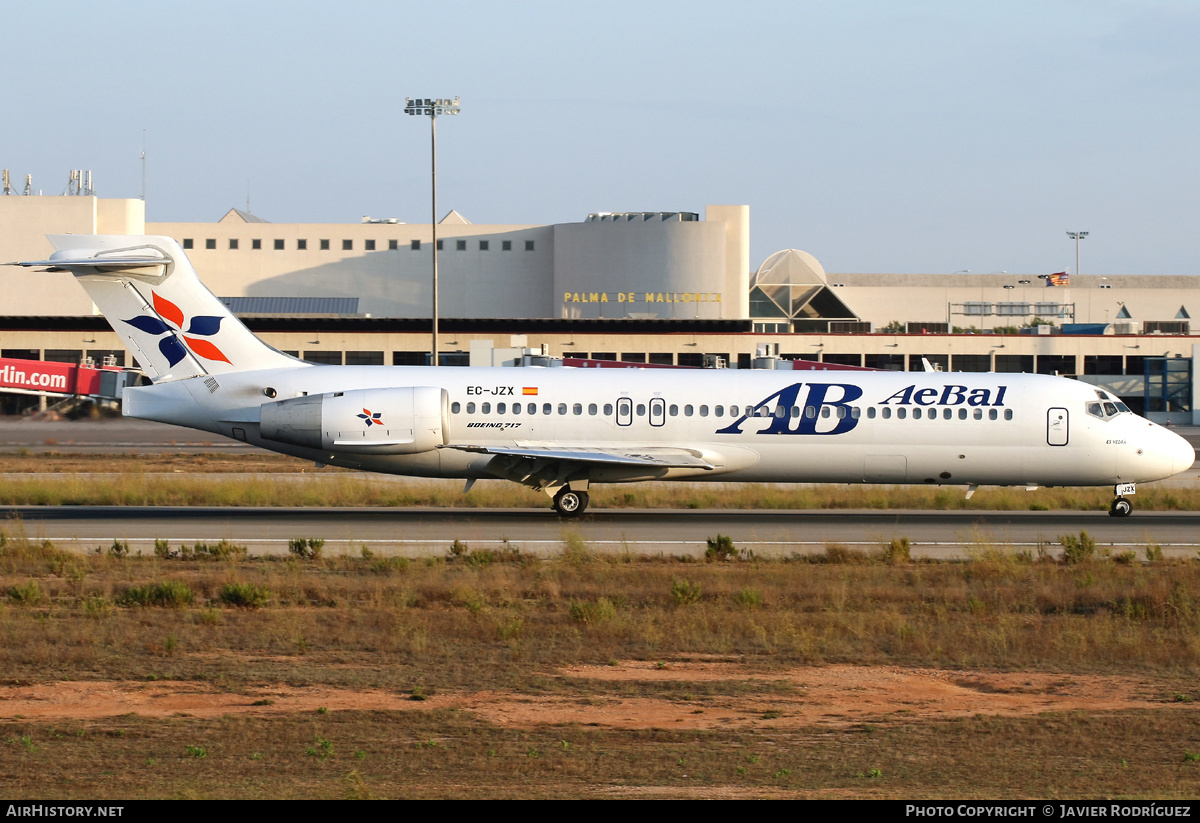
786	426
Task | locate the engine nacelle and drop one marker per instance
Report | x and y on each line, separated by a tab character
363	421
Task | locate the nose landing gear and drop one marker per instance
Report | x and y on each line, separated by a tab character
1122	507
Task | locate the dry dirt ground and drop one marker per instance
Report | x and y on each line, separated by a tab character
825	696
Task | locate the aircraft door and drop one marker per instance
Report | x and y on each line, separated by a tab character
658	414
1057	427
624	411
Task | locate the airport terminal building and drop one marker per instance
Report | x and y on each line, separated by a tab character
659	288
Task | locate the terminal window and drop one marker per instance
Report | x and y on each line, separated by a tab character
528	245
210	243
347	245
370	245
187	242
415	245
302	245
483	245
506	245
393	245
256	244
278	245
324	245
460	245
233	243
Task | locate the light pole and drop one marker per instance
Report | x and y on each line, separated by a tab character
432	108
1077	236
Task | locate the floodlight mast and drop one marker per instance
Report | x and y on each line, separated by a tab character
431	109
1077	236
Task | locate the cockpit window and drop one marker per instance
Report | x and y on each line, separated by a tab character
1107	409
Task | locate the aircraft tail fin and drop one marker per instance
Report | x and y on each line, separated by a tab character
151	296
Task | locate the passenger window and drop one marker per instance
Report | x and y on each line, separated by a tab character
810	412
455	407
608	409
841	412
532	408
979	414
562	408
780	412
500	408
947	414
517	408
855	412
993	414
887	412
733	411
674	410
592	409
719	411
547	408
1008	414
687	411
917	413
962	414
704	411
577	408
487	408
901	413
641	409
470	408
870	412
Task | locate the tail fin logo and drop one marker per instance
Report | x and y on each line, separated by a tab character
171	348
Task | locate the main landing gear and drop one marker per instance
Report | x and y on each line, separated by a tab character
570	503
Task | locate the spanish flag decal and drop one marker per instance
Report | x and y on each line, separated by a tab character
529	390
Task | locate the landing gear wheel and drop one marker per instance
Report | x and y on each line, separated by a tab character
1121	507
570	503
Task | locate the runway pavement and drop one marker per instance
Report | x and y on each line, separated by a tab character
423	532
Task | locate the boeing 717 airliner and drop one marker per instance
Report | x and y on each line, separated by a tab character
560	430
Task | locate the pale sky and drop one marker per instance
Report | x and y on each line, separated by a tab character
903	136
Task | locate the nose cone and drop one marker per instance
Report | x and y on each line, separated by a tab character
1182	455
1163	453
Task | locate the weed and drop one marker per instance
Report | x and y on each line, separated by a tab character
266	701
684	592
215	551
458	550
1188	757
27	742
898	550
171	594
244	595
118	549
321	749
170	645
748	598
162	549
322	710
197	752
1077	549
26	594
1154	553
306	548
720	549
592	612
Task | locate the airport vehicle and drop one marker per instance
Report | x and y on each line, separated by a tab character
559	430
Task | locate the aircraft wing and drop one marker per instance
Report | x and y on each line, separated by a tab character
655	457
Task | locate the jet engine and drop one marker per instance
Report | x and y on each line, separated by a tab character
361	421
